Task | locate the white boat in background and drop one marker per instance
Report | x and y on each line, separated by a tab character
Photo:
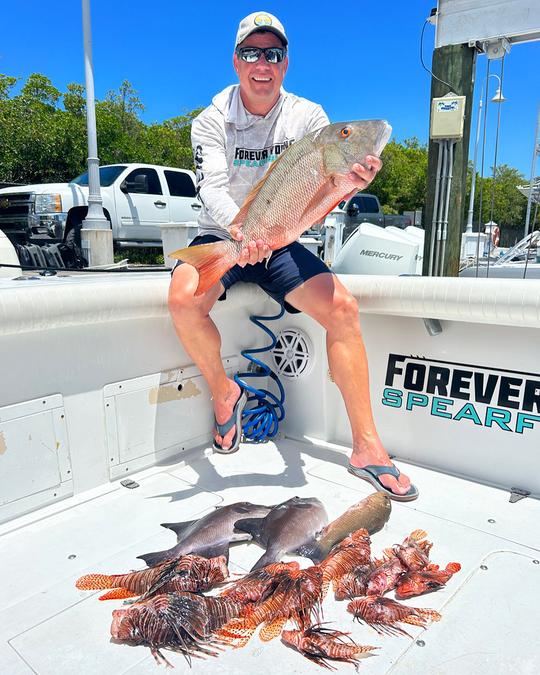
521	261
105	432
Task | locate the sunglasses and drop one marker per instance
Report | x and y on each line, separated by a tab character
253	54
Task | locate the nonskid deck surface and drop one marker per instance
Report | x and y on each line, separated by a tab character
489	609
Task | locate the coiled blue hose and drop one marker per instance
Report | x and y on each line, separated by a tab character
264	410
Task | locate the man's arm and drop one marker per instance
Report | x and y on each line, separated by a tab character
208	143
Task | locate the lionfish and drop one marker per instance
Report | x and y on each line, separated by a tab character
257	585
425	581
296	595
319	644
353	584
413	553
186	573
353	551
183	622
384	576
383	614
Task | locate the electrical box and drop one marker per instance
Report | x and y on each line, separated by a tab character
447	114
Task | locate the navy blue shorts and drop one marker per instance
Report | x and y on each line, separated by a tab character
287	268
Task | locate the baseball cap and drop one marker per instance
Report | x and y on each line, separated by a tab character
260	21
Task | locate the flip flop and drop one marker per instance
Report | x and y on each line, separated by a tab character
234	419
371	473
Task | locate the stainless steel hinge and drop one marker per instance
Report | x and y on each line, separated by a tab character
517	493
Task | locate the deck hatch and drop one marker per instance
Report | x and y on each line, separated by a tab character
35	465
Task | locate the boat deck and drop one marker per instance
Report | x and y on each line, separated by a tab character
490	610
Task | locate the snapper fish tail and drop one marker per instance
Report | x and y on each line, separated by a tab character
211	261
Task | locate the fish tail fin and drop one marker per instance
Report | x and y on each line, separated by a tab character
251	526
94	582
314	551
117	594
156	557
271	630
267	558
418	535
210	260
237	632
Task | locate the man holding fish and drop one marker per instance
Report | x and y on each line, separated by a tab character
257	198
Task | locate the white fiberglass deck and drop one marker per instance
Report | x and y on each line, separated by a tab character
490	610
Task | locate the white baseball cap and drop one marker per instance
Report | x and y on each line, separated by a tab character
259	21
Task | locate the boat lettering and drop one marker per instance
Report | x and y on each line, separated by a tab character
380	254
490	397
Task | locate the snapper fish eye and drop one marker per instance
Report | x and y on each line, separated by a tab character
345	132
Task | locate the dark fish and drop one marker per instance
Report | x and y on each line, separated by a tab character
286	529
370	513
210	535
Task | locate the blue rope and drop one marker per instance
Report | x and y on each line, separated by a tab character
264	410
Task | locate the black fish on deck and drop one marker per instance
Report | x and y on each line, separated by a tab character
210	535
287	528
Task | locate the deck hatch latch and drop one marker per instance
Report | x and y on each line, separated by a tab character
128	483
517	493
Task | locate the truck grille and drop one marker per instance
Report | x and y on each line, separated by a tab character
16	205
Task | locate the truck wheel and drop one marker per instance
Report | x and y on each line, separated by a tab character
73	244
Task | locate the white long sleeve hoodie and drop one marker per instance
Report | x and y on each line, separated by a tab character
233	149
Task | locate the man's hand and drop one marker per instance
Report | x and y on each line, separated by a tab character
362	176
254	252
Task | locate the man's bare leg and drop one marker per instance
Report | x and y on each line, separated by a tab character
202	341
326	300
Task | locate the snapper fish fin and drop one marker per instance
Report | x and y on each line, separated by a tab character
210	260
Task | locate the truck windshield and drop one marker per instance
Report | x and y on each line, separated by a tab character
107	175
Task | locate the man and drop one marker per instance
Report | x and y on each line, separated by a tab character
235	140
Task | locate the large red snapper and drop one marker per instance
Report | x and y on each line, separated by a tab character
299	189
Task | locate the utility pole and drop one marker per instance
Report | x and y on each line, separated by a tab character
96	233
453	64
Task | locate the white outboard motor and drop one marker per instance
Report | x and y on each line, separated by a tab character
413	235
8	256
375	250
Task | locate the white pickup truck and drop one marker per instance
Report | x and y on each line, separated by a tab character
137	199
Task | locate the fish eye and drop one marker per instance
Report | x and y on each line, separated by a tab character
345	132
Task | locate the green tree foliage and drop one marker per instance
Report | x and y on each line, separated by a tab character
43	131
501	200
401	183
6	84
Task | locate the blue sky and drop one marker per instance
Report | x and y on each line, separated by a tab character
359	60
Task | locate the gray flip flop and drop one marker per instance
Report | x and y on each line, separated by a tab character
371	473
234	419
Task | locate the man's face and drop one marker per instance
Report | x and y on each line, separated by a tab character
260	82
